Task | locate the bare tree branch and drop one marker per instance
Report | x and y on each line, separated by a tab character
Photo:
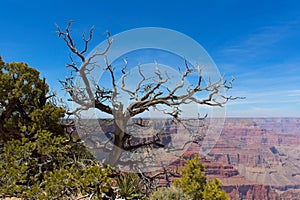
149	92
83	71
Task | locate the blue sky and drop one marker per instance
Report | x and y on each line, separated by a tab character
258	42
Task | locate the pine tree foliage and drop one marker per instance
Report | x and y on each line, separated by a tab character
212	191
38	159
193	182
24	108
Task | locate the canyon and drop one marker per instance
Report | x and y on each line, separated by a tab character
255	158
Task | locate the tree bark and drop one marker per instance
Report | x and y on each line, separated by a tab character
120	126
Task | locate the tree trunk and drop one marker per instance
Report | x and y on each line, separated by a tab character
120	127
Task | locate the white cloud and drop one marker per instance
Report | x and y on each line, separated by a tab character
262	40
294	93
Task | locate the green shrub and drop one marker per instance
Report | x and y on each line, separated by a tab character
170	193
129	186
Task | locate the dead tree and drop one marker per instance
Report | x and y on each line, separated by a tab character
146	95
